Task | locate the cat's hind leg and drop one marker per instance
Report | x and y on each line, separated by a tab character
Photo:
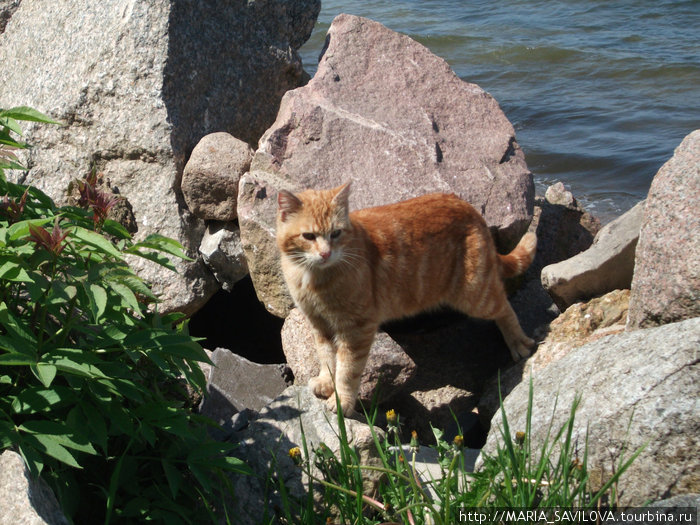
491	303
519	344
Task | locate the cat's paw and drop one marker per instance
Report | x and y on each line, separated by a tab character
522	347
346	405
322	387
331	404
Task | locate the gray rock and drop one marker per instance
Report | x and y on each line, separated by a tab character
23	499
222	252
264	445
388	367
563	231
257	211
210	178
236	384
684	500
386	113
607	265
666	283
428	468
637	388
137	85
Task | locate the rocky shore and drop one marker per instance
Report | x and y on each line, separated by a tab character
197	114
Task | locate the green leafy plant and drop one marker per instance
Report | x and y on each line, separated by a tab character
92	378
11	131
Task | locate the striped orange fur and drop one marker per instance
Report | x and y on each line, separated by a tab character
350	272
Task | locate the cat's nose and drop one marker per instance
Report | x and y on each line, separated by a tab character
325	254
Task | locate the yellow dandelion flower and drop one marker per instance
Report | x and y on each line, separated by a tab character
295	454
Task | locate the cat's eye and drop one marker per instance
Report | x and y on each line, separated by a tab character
308	236
336	233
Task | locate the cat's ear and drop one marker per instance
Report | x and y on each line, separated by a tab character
342	194
287	203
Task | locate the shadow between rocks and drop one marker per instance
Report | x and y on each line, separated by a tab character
455	357
265	449
239	322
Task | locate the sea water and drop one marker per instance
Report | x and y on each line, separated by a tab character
600	92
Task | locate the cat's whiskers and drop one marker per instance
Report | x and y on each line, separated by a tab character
301	259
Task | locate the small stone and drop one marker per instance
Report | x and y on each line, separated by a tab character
607	265
222	252
210	179
257	211
236	384
558	195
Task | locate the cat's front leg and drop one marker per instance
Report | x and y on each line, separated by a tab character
351	358
322	384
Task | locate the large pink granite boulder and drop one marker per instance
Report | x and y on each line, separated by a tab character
384	112
666	281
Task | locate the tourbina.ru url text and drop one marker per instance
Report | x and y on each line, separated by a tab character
640	516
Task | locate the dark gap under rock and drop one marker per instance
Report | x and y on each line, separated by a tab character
455	355
239	322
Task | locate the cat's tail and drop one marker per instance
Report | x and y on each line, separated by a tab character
519	260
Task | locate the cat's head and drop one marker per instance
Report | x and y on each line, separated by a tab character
313	226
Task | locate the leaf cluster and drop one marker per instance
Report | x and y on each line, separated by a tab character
11	133
92	379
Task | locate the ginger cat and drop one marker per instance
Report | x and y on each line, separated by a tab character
350	272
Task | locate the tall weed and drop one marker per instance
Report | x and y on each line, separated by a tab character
517	475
